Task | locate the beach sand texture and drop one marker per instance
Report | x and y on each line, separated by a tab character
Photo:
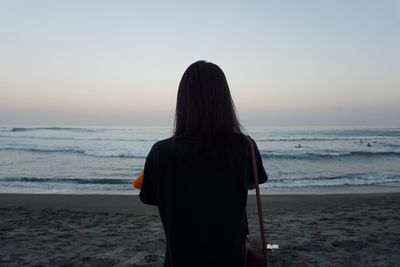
117	230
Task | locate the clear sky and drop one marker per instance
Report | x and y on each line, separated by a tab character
120	62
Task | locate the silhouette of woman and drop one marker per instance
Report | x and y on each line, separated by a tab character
200	176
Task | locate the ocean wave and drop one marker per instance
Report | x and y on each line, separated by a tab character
73	129
147	134
66	180
347	179
98	151
329	155
126	184
390	145
5	129
152	139
83	138
305	139
75	150
61	184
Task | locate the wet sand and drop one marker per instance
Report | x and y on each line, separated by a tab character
105	230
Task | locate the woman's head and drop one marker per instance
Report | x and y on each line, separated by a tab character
204	106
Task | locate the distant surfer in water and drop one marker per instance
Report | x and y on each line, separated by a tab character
369	145
298	146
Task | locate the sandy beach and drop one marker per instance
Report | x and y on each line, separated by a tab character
105	230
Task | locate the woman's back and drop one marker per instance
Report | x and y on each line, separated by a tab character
199	177
202	201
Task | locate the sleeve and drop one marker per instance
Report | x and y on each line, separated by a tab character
262	174
148	192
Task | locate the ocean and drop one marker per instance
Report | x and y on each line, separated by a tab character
106	159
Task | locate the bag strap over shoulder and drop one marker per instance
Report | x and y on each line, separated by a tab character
255	173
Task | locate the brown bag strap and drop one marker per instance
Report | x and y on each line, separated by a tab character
255	172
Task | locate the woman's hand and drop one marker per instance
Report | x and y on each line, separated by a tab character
138	181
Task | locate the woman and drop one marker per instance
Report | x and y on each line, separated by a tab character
199	177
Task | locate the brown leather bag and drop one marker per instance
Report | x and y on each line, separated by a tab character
255	249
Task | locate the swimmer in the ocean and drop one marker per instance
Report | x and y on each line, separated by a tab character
368	145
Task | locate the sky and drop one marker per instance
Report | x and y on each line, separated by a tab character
288	63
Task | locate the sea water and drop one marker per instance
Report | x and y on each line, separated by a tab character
89	159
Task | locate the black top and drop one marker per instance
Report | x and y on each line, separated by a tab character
202	202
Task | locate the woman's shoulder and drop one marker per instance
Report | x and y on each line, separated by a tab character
163	144
169	144
177	142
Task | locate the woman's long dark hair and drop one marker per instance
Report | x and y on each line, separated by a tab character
204	106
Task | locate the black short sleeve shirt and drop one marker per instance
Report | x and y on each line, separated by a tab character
201	203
